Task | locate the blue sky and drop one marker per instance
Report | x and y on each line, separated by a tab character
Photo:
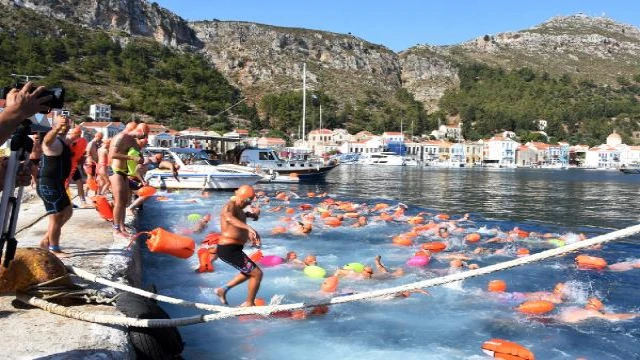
400	24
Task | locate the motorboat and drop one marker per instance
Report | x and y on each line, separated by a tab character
630	169
295	167
196	171
410	161
348	158
382	158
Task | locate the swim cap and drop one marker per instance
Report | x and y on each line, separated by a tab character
310	259
594	304
77	131
245	192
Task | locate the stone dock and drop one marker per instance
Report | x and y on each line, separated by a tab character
32	333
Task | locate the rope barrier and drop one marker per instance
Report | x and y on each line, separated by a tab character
226	312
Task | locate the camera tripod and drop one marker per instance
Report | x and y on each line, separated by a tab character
21	146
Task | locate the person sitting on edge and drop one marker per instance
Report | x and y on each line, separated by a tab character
234	235
594	309
55	169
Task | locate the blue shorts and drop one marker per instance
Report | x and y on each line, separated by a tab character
55	198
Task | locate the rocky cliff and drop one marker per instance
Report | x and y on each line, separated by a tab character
135	17
260	58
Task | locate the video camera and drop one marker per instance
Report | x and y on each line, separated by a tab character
57	94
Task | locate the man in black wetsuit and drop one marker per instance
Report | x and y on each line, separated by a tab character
55	169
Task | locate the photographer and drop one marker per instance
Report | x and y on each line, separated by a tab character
21	105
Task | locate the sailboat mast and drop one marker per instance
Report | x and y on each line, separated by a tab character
304	102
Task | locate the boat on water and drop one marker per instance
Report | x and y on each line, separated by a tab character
348	158
196	172
296	167
386	158
631	169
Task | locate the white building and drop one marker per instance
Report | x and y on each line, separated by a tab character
375	144
100	112
500	151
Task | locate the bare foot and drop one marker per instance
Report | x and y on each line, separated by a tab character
61	254
44	243
222	295
246	304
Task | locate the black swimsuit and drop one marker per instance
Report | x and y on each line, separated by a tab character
51	177
234	256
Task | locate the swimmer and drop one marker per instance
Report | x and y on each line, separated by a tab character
292	258
201	225
559	294
456	265
625	265
593	309
382	269
301	228
362	221
443	232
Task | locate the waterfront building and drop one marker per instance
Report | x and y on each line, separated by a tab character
526	156
276	144
413	149
444	151
473	152
100	112
374	144
457	154
430	150
500	150
578	154
320	141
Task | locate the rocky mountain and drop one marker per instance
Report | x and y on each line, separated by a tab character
133	17
261	58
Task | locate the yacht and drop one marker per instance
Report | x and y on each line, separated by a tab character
295	168
382	158
196	172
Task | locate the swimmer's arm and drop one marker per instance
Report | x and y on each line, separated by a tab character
618	316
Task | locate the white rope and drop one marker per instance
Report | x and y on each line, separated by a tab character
226	312
167	299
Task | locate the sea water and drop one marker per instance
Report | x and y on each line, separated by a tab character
452	321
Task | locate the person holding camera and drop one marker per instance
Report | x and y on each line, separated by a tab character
55	169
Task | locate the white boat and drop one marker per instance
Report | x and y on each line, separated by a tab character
382	158
410	161
198	174
293	169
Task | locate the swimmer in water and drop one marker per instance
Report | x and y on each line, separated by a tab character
557	296
625	265
594	309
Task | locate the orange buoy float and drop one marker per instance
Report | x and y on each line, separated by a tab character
536	307
380	206
332	221
416	220
386	217
305	207
211	239
325	214
206	260
146	191
586	262
278	230
443	216
497	286
290	211
256	255
351	215
472	238
103	206
402	240
434	246
165	242
92	184
503	349
522	252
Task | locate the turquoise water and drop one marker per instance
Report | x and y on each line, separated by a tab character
453	321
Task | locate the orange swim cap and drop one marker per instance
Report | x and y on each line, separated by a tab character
245	192
594	304
77	131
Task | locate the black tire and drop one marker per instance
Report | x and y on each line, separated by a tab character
150	343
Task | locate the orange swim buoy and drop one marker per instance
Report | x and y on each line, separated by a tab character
279	230
586	262
402	240
146	191
256	255
332	221
290	211
103	206
522	252
165	242
206	260
497	286
503	349
434	246
473	238
380	206
416	220
443	216
386	217
536	307
211	239
92	184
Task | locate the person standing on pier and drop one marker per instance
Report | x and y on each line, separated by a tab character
235	234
